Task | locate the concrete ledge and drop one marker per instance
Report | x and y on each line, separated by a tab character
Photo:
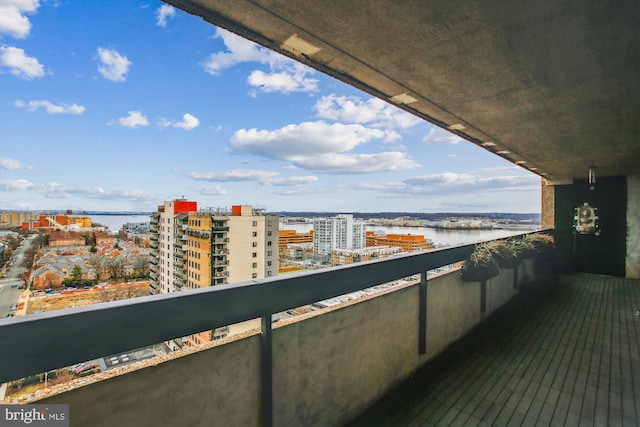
328	366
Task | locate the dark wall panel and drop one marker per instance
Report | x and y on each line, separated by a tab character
603	254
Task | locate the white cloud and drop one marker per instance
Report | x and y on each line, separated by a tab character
319	146
188	122
284	75
374	111
50	107
15	185
162	13
113	66
304	139
249	175
19	63
351	164
236	175
456	184
133	119
54	190
238	50
291	181
12	17
292	78
211	190
11	164
439	135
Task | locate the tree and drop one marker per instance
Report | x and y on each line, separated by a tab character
100	264
13	242
76	273
116	265
141	264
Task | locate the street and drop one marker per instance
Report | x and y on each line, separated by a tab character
8	293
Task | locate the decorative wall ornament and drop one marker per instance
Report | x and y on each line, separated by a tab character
585	220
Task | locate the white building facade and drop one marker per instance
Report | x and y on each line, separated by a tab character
338	232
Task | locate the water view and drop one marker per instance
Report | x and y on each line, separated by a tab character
439	237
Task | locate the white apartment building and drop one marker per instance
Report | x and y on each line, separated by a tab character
166	241
338	232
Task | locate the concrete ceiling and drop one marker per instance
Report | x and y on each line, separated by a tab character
552	83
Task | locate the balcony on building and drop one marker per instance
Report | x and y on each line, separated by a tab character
548	87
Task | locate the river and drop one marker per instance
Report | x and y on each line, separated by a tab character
115	222
439	237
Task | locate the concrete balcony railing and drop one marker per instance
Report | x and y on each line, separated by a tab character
321	368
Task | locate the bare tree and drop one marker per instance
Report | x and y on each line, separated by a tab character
117	267
141	264
100	264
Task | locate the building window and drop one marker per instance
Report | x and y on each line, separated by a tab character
255	244
269	263
254	265
254	275
269	243
269	253
268	273
269	233
255	255
255	223
255	234
269	223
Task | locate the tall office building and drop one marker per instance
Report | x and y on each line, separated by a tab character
338	232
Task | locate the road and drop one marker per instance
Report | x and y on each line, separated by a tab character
9	294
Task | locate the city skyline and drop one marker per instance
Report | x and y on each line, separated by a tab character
121	108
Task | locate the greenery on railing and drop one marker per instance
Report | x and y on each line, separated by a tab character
488	258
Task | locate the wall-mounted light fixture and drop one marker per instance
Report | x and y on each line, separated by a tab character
592	177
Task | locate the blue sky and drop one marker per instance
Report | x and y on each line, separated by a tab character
121	105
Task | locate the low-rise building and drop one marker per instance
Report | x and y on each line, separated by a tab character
66	238
350	256
408	242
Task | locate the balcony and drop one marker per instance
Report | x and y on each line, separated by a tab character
221	240
218	274
357	350
219	262
200	234
220	228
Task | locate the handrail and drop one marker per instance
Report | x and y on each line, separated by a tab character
43	341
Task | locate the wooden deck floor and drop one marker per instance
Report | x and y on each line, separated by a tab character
567	354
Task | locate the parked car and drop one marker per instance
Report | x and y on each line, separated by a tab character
84	367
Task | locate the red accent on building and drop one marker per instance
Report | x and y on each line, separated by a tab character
184	207
236	210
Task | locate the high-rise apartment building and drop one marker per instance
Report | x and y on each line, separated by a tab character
168	245
192	249
226	247
338	232
198	248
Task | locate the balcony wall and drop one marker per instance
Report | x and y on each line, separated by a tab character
328	366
